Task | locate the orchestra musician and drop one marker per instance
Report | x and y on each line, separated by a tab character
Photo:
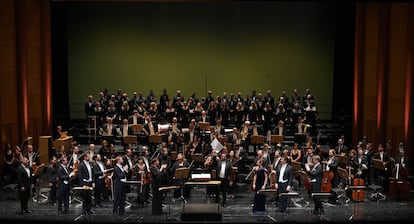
164	158
99	173
86	178
156	171
119	187
316	174
361	165
140	173
341	149
295	153
127	158
284	182
52	178
332	165
382	175
24	184
145	158
179	163
224	172
64	177
280	128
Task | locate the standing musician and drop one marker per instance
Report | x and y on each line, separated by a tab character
100	175
127	158
119	188
140	172
86	178
52	178
145	158
275	167
64	185
179	163
284	182
233	160
382	175
24	184
316	174
224	175
259	183
332	165
156	171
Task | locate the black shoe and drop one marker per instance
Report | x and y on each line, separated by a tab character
28	211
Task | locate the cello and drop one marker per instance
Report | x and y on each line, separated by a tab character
359	194
326	180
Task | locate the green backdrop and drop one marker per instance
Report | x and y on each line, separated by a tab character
233	46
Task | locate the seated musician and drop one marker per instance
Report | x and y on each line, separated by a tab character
150	128
108	130
279	129
246	132
382	175
361	165
135	118
58	133
256	130
219	129
295	153
234	138
189	136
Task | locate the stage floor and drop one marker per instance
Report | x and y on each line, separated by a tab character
237	210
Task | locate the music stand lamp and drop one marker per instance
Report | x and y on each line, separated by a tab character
182	174
322	196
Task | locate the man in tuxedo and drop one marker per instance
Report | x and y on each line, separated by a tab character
316	175
86	178
24	184
150	128
119	188
341	149
279	129
64	185
99	173
108	130
284	182
52	178
224	175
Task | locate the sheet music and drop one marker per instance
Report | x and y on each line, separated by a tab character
216	145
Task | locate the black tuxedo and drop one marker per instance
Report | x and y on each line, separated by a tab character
63	189
24	180
225	180
284	183
119	190
341	149
276	131
86	179
52	179
316	175
98	173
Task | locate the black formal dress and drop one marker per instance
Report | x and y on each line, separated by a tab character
156	194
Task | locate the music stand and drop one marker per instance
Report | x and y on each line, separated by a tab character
140	217
269	192
257	139
343	175
36	175
354	206
322	196
274	139
82	188
377	163
288	195
182	174
155	138
342	160
137	127
130	139
167	189
204	125
197	158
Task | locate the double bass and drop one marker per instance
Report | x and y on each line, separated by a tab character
399	186
358	194
326	180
